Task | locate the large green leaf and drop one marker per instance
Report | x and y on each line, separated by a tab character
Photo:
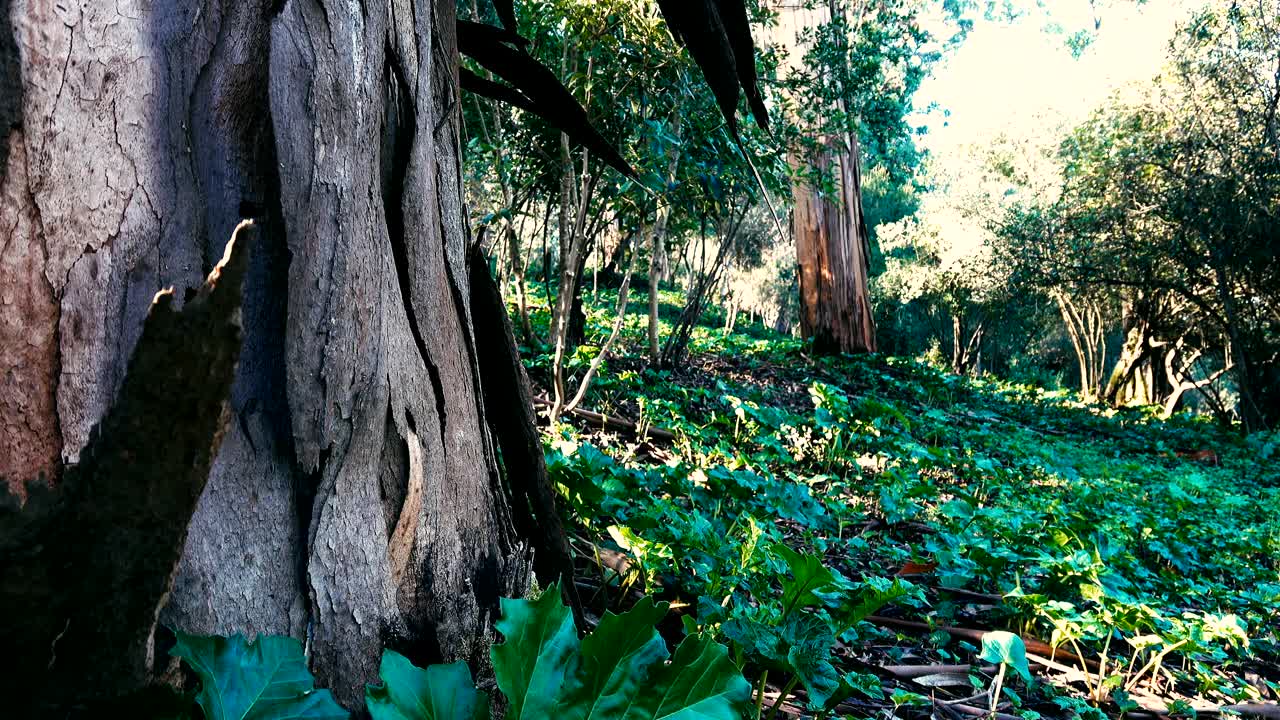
618	660
801	645
539	654
618	672
761	641
1000	646
262	680
868	603
809	579
700	683
441	692
809	642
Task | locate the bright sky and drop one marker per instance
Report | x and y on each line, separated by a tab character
1016	76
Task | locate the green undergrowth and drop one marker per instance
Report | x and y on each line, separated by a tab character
622	670
800	492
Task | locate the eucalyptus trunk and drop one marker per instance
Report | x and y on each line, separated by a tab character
833	251
347	490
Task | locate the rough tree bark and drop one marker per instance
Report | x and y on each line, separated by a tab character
834	255
356	499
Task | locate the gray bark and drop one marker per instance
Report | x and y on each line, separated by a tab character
356	501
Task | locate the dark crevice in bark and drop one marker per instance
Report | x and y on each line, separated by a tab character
308	495
10	87
273	305
394	474
399	133
510	415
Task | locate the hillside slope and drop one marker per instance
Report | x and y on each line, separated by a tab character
853	525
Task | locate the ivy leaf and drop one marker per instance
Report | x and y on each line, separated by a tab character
809	578
263	680
1000	646
618	659
539	653
440	692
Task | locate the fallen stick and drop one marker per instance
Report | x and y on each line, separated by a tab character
1033	645
915	671
979	712
612	422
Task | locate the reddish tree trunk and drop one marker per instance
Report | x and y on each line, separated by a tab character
833	252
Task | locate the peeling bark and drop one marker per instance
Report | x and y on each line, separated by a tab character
30	438
88	565
834	255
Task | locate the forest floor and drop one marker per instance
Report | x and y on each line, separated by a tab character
870	534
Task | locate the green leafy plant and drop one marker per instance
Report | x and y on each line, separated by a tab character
1008	651
621	671
440	692
266	678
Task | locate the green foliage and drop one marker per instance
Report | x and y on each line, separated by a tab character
617	671
440	692
533	664
1005	648
259	680
784	508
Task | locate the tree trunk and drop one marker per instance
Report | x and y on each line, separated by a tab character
833	252
658	250
355	500
1085	329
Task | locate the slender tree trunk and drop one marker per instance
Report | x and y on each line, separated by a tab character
355	499
1084	325
657	249
513	236
568	306
673	352
833	252
957	347
655	285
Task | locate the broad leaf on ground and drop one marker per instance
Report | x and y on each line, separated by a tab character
869	603
440	692
618	659
1000	646
538	654
619	671
263	680
809	579
700	683
810	641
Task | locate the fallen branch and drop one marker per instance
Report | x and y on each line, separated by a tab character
1033	645
614	423
915	671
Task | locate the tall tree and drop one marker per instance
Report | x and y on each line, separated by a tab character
299	444
833	252
850	73
355	497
